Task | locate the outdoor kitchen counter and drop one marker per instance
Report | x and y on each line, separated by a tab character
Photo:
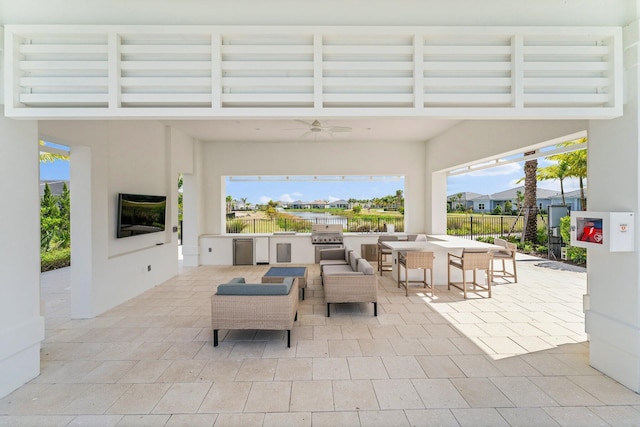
441	246
217	249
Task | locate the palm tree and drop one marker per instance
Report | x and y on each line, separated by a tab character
557	171
229	201
530	195
46	157
577	161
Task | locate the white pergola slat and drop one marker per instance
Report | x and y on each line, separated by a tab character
179	71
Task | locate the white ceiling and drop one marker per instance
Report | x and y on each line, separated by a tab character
372	130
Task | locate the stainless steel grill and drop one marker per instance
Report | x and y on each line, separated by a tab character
323	234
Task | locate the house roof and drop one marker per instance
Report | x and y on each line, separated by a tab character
511	194
54	186
467	195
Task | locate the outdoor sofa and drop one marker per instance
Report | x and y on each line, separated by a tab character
240	305
354	281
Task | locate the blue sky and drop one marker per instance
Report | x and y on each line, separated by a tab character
483	182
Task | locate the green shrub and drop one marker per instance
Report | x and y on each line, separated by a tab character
54	259
577	255
236	226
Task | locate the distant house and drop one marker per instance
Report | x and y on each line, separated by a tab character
461	201
340	204
571	199
488	202
299	204
54	186
319	204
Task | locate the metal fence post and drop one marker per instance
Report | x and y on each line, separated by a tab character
471	225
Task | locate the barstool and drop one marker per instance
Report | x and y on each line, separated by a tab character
416	260
471	260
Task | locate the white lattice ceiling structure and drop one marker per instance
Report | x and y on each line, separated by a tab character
177	72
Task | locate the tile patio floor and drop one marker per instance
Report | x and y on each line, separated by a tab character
519	358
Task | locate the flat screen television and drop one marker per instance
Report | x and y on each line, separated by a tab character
140	214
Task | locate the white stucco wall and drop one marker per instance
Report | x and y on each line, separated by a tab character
21	323
309	158
107	158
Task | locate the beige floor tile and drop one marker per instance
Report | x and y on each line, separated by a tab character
407	346
183	350
367	368
534	417
145	371
219	370
287	419
431	417
439	393
439	367
565	392
476	366
514	367
383	418
480	393
384	331
403	367
191	420
474	417
575	416
503	345
269	397
345	347
181	371
439	346
354	332
97	399
257	370
522	392
109	372
143	420
139	399
239	420
607	390
536	359
333	419
88	421
324	332
309	348
376	347
298	369
311	396
354	395
397	394
182	398
331	368
225	397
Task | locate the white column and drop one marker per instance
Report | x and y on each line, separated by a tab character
612	306
21	323
191	211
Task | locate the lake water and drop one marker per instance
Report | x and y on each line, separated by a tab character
321	218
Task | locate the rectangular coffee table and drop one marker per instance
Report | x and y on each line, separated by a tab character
276	274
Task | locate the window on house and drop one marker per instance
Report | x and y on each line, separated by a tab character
481	206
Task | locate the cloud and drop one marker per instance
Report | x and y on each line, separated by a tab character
332	199
286	198
296	194
265	199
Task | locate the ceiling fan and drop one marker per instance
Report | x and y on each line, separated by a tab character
316	127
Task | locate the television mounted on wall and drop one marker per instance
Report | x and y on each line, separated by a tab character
140	214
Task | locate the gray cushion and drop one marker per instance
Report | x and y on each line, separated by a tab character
237	280
256	288
328	270
364	267
354	261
